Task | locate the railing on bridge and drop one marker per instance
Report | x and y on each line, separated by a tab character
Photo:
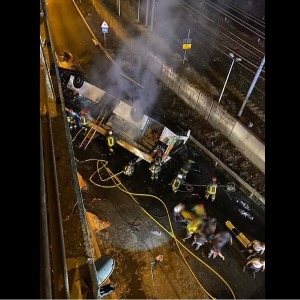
54	274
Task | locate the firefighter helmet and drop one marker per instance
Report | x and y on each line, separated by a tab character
110	132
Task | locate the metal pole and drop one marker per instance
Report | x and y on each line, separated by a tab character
184	55
119	8
252	86
146	19
138	12
152	15
104	39
226	80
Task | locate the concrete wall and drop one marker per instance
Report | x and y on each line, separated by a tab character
239	135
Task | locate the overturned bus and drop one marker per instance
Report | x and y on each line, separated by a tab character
138	133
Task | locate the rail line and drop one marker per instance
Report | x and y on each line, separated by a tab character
216	37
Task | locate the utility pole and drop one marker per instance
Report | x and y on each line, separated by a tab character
138	12
252	86
184	55
146	18
119	7
152	15
233	60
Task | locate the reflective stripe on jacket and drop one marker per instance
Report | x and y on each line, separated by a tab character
212	188
176	184
83	120
110	141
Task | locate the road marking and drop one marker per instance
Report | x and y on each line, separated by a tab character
95	42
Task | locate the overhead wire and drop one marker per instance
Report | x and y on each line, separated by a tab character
244	13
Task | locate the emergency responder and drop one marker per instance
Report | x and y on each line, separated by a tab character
218	243
199	210
110	141
211	189
177	181
181	176
192	227
255	265
71	119
83	120
256	247
155	168
129	169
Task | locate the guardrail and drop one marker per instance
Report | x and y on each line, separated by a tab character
45	268
259	199
58	93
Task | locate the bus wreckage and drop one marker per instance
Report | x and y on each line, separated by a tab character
141	135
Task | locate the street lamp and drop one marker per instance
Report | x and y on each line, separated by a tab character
233	60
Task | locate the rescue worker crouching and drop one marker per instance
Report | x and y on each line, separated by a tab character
211	189
155	168
177	181
110	141
181	176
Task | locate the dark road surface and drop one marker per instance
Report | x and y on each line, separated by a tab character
70	34
111	202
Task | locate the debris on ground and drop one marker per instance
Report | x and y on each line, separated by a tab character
95	223
82	183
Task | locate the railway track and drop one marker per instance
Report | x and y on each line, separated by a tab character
227	39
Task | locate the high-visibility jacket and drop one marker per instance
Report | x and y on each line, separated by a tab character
212	188
199	210
176	184
83	120
69	119
155	168
193	226
110	141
